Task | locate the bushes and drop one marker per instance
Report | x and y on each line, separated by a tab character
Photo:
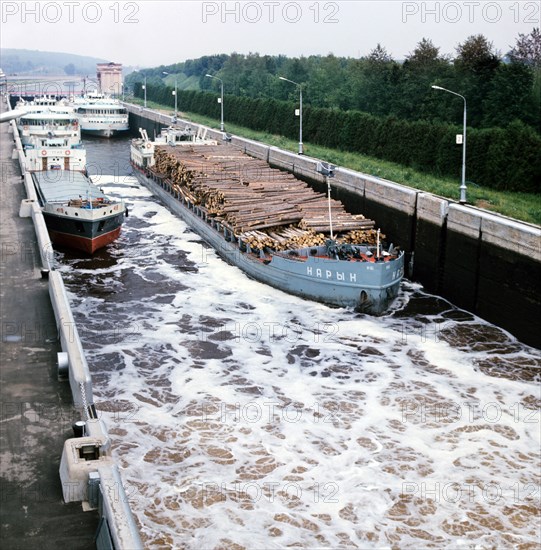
504	159
518	154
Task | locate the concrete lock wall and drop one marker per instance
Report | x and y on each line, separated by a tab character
509	271
485	263
138	120
118	516
430	240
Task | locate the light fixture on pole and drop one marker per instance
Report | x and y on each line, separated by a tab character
300	111
145	89
221	101
462	199
174	93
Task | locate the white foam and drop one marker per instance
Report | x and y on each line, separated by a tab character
242	415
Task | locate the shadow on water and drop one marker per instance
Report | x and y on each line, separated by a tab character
102	259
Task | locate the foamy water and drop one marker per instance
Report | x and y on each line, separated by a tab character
243	417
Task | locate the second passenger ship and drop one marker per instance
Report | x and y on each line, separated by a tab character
101	115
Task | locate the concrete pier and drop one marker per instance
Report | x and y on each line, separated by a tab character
36	409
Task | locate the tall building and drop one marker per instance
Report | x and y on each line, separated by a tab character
110	78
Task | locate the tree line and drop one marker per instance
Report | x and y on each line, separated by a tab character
499	89
379	107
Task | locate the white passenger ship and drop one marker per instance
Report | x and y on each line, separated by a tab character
101	115
51	136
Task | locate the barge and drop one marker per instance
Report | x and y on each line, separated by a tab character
362	275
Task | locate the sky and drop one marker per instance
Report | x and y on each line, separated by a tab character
150	33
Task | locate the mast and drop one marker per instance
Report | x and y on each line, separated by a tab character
329	203
327	170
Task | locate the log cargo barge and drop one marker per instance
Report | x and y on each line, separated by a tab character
270	224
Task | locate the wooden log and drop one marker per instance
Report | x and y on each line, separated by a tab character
247	194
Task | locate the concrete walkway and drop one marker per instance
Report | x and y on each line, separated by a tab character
36	409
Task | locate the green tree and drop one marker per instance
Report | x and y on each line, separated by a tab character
510	97
381	76
422	68
232	74
326	86
296	69
527	49
379	55
527	52
476	54
476	65
424	56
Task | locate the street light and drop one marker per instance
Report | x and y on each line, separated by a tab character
462	199
174	93
145	88
300	111
221	100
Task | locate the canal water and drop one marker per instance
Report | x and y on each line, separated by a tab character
242	417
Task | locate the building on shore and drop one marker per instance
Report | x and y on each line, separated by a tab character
110	78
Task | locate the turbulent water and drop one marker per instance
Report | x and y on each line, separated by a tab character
243	417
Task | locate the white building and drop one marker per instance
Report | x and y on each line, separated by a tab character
110	78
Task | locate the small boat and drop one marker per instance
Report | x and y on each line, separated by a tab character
77	213
327	268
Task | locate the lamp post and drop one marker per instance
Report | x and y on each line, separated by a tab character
174	93
221	100
300	111
145	89
462	199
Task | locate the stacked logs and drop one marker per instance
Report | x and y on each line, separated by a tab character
364	236
266	207
283	238
294	237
